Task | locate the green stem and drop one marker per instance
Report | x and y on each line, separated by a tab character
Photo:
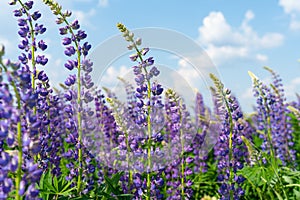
128	161
182	153
148	125
182	165
231	174
121	124
79	121
20	155
79	180
269	128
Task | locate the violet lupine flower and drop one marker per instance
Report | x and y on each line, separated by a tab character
8	116
281	126
78	101
147	112
230	151
29	128
105	118
202	125
53	133
131	100
273	119
179	137
26	34
104	137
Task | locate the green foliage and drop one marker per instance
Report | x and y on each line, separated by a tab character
296	135
264	180
52	187
206	183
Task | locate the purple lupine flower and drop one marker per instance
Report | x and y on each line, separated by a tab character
70	80
180	133
74	108
272	115
80	35
36	15
63	30
42	45
20	76
41	60
70	51
85	48
147	109
28	4
75	25
202	125
17	13
230	151
66	41
71	64
42	76
39	29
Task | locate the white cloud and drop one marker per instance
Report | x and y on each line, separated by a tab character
7	44
292	87
84	17
261	57
294	25
112	73
223	41
292	8
249	15
248	94
103	3
187	72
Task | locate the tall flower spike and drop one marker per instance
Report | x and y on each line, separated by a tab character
148	94
230	150
178	137
76	47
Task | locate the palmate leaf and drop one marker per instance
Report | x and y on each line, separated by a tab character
206	183
258	175
112	187
53	186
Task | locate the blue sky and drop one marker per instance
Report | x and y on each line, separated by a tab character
237	35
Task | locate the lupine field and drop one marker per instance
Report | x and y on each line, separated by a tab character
82	142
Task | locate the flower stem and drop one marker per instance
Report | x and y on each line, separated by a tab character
230	148
148	126
182	164
79	120
182	152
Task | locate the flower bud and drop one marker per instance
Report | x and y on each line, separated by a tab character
138	41
130	47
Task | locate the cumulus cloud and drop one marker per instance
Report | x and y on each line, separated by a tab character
112	73
84	17
103	3
294	24
292	87
224	42
6	42
292	8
